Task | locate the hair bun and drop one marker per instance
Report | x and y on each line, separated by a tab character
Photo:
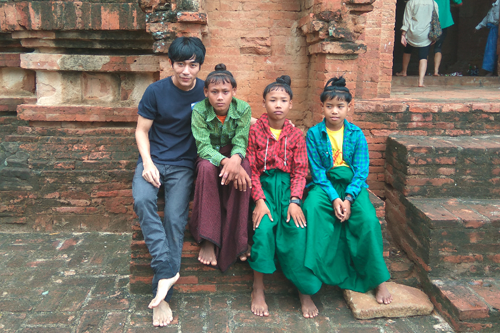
336	83
220	67
284	79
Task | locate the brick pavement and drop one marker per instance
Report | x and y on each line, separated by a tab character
79	282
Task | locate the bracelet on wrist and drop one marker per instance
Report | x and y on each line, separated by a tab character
350	199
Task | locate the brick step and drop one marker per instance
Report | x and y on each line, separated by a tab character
197	278
79	113
449	81
429	113
447	237
444	166
10	103
468	305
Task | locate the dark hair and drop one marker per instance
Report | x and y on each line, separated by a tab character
220	75
185	48
335	88
283	82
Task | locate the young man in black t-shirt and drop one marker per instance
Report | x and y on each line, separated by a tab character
167	155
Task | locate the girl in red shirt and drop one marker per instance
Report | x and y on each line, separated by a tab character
278	158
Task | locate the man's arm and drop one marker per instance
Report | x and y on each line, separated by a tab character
150	173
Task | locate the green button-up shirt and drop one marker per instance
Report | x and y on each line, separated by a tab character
211	135
445	18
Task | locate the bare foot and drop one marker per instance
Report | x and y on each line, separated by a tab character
436	74
259	305
207	253
309	309
164	286
382	294
421	86
245	255
400	74
162	314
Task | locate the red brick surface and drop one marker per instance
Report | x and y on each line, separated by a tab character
69	15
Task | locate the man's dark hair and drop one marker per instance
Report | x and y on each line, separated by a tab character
186	48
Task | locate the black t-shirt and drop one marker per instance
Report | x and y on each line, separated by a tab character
170	137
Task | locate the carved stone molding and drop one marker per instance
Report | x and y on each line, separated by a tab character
168	19
334	26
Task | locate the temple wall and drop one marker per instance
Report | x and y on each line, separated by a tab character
72	74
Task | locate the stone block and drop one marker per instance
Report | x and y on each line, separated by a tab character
16	82
407	301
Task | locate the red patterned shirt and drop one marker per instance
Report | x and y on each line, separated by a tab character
288	154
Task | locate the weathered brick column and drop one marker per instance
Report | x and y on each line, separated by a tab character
332	29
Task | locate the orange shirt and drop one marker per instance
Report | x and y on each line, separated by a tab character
222	118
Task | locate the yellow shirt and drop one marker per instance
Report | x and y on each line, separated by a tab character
275	132
336	140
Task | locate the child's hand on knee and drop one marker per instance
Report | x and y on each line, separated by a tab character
230	169
259	212
242	181
295	212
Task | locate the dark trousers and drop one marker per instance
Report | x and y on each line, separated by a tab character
164	239
220	212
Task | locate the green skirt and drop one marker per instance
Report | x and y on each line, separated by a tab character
348	254
281	241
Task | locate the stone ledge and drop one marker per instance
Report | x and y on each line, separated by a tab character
468	305
444	166
90	63
85	113
407	301
446	237
10	103
444	106
69	15
10	59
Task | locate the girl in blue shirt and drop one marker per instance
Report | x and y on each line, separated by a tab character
344	239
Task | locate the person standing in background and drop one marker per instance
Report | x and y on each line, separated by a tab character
446	21
415	34
490	21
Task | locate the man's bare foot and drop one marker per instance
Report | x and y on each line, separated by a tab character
436	74
162	314
421	86
382	294
207	253
309	309
245	255
400	74
164	286
259	305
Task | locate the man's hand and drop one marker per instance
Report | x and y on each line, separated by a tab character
342	209
259	212
403	39
296	213
230	169
151	174
242	181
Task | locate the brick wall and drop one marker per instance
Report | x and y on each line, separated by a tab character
375	81
381	118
